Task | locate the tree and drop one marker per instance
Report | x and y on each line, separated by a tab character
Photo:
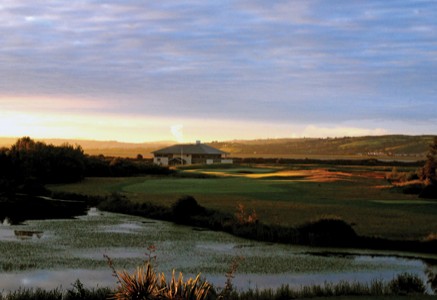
428	172
46	163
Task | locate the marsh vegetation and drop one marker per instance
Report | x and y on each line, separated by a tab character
74	249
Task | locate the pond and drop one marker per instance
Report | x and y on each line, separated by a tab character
54	253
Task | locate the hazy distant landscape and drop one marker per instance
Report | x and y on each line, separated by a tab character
401	147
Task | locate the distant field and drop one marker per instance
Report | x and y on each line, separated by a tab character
287	196
384	147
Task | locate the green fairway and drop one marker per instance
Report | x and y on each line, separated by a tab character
290	196
192	186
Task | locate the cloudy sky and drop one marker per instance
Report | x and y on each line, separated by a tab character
217	70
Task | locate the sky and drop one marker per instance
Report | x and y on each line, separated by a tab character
138	71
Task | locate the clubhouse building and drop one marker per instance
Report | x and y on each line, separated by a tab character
188	154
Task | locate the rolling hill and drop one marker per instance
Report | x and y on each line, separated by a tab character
400	146
386	146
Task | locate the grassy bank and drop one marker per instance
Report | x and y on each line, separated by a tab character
326	231
286	196
145	283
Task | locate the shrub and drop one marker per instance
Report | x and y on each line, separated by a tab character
413	188
185	208
406	283
80	292
327	231
429	192
144	283
192	289
431	237
243	217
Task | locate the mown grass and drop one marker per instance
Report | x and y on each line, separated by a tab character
359	198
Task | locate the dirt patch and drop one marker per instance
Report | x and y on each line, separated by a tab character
323	175
372	175
315	175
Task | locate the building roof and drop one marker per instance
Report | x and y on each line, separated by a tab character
197	148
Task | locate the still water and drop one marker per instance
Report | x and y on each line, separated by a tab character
55	253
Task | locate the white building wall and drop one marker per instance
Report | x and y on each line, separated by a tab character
161	161
187	158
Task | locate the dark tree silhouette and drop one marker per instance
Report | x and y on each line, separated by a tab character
32	164
429	169
46	163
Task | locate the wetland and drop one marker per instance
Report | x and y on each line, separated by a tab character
54	253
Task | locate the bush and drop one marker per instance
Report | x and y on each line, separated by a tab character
405	284
429	192
413	189
80	292
327	231
185	208
145	283
119	203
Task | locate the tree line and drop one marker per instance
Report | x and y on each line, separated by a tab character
29	162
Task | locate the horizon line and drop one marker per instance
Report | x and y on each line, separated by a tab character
212	141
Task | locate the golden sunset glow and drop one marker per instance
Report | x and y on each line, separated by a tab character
140	128
132	71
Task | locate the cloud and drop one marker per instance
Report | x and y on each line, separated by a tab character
177	132
300	61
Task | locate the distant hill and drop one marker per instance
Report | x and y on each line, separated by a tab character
386	146
394	146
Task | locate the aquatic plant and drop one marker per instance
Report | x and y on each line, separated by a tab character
145	283
142	284
230	275
192	289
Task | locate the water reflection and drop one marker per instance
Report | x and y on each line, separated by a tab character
27	207
28	234
73	249
8	232
51	279
93	212
6	222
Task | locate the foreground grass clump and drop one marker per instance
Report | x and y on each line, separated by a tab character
145	283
